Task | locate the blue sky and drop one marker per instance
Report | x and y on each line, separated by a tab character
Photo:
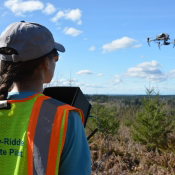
105	41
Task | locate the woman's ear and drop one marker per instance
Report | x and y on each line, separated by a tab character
45	64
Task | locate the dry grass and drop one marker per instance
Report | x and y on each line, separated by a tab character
127	157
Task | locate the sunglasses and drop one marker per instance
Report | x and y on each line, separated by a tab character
56	55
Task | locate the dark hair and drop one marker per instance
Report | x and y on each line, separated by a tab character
11	72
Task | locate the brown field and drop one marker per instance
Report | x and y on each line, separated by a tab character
126	156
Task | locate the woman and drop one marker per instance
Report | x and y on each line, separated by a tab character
38	135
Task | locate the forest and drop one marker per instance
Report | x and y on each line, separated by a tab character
136	134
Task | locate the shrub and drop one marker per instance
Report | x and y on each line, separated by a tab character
152	126
105	119
128	121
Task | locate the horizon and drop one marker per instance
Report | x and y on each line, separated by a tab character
130	94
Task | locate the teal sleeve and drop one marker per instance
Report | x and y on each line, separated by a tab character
75	159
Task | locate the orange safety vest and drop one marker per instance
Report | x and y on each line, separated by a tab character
41	144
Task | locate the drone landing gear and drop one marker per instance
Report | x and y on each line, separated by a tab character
159	45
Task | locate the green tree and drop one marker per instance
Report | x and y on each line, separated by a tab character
105	119
152	126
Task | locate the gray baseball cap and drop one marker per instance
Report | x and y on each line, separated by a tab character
30	40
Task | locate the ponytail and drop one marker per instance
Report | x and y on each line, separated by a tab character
6	80
6	84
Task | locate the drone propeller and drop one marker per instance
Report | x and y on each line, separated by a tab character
148	40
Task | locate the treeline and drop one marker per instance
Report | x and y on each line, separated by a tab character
142	114
128	99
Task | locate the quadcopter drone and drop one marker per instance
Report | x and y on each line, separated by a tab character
161	37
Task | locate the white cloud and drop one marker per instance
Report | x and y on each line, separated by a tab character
79	22
99	75
117	80
165	89
19	7
83	72
137	46
142	56
74	82
72	31
93	86
80	84
92	48
68	82
59	15
171	74
64	82
58	28
4	14
49	9
73	15
88	85
130	89
121	43
148	70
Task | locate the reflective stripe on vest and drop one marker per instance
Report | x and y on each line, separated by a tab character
45	138
42	136
50	135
